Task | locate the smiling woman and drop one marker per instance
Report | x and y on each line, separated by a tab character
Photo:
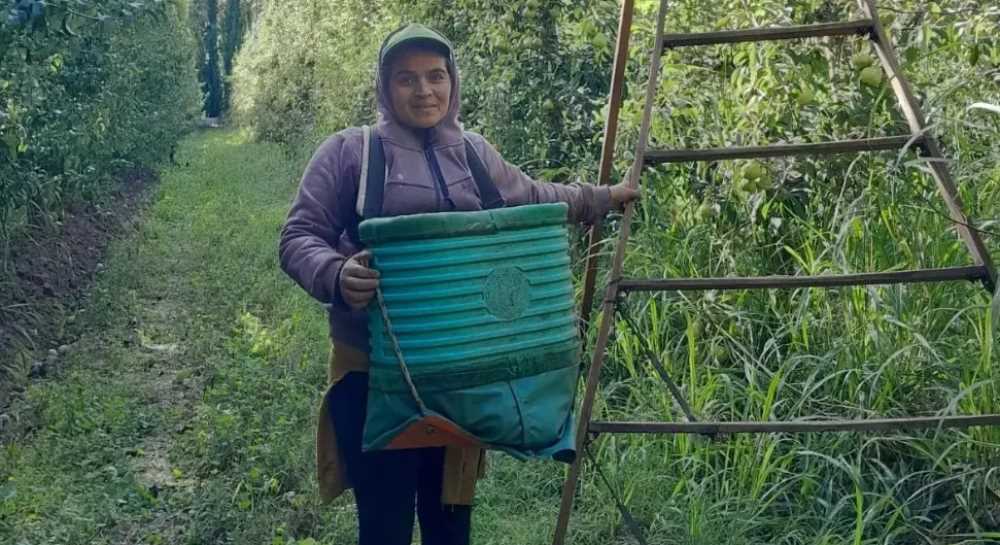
430	165
420	88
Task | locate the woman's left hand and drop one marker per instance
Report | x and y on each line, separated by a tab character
622	194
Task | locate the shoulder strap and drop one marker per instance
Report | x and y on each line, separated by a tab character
488	192
371	184
359	200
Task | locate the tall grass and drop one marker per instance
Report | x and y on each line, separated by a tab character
255	343
807	353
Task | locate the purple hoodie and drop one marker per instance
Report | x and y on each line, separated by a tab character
314	241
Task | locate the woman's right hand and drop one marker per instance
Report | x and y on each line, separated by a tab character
357	281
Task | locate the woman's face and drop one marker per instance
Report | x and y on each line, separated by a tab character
419	88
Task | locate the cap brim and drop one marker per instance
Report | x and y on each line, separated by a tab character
420	37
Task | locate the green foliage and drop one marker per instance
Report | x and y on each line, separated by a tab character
86	88
221	28
308	68
209	440
233	31
254	345
210	72
850	353
534	81
535	75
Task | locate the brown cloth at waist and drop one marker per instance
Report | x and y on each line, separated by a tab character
462	466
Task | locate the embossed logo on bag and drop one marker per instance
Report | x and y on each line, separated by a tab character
507	293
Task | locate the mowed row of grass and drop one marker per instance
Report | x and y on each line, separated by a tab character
185	413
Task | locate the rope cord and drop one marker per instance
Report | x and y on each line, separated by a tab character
630	522
399	353
657	364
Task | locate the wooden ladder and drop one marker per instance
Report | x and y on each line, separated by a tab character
919	140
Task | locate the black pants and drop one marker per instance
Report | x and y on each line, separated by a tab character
390	485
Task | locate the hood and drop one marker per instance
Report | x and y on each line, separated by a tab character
449	130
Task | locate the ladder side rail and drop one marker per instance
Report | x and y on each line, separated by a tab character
918	126
611	294
607	154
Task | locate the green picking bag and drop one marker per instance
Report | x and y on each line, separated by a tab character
481	305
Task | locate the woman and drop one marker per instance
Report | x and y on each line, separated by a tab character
427	170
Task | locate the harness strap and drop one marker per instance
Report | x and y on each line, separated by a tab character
371	186
366	142
489	195
373	176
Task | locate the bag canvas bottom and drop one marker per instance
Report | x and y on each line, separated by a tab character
528	418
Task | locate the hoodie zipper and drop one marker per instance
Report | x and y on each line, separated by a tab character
436	171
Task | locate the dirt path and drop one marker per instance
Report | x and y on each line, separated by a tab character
50	269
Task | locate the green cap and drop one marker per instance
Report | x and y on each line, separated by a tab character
413	33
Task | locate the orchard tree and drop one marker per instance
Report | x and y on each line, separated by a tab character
209	73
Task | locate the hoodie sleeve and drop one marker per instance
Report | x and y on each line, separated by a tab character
587	203
319	214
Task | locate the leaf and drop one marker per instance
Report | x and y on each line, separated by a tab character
984	106
17	17
8	492
67	30
13	143
37	10
995	310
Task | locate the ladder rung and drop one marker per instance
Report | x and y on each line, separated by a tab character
976	272
811	426
779	150
848	28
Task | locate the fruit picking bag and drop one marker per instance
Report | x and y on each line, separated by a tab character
474	340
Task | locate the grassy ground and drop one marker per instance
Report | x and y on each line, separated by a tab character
185	413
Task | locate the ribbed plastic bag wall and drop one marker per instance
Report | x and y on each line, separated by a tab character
473	297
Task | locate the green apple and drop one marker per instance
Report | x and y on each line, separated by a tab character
706	211
720	353
764	183
805	96
754	170
872	76
744	185
862	60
